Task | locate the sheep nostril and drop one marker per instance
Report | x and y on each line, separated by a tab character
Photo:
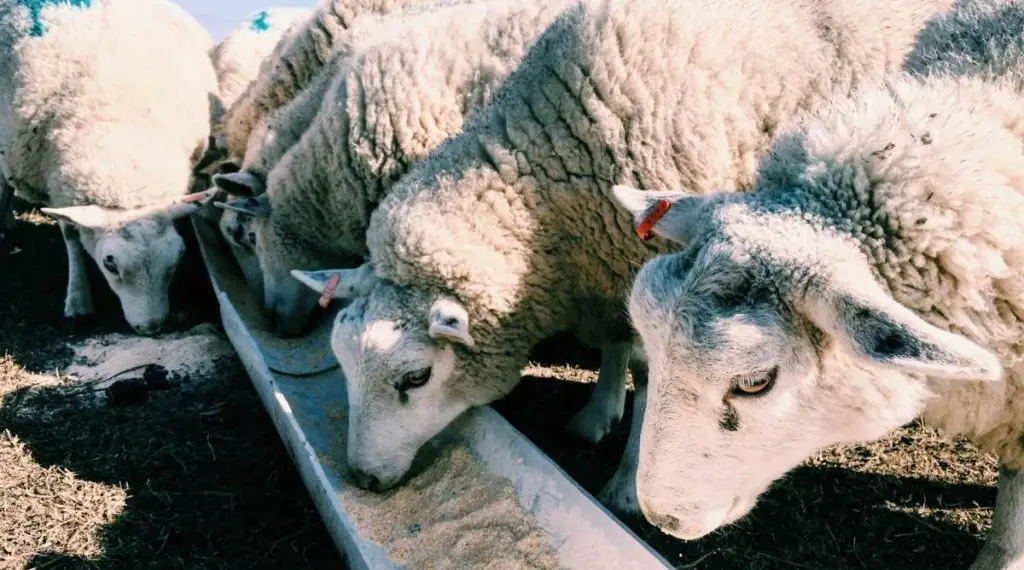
667	523
365	480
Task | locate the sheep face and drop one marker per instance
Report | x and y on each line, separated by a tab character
768	339
400	352
137	255
268	250
237	231
286	302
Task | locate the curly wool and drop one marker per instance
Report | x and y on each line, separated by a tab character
403	92
138	115
293	64
513	217
929	158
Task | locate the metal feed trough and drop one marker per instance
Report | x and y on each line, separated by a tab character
302	388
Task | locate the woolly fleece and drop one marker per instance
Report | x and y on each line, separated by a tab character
983	38
238	57
512	217
76	129
293	64
392	103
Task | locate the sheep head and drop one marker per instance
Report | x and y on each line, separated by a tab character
402	350
138	250
768	339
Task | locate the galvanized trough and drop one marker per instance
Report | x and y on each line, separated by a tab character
303	390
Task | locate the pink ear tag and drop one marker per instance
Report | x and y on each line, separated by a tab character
332	284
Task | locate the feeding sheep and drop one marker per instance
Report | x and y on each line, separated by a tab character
279	104
505	235
107	151
885	287
875	274
401	93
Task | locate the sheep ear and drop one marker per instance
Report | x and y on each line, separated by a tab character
449	321
338	283
229	167
240	183
670	215
90	217
255	206
875	328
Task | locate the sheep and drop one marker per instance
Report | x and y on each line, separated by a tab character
505	234
275	134
237	60
108	152
238	57
299	192
293	64
867	279
393	98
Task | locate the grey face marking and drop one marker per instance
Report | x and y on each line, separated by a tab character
70	231
729	420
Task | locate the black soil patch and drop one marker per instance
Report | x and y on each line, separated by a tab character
208	483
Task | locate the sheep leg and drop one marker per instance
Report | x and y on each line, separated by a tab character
6	198
619	494
1004	549
78	301
608	401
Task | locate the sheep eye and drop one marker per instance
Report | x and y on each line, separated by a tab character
755	384
414	379
109	264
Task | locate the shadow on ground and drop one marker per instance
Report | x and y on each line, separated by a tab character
207	483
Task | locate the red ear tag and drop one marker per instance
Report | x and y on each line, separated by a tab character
643	229
332	284
198	196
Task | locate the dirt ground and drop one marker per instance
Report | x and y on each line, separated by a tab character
198	479
186	479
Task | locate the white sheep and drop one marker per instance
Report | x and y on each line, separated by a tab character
104	105
274	133
249	123
874	274
237	57
237	60
395	96
293	64
505	235
258	124
268	142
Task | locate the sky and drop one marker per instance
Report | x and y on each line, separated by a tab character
221	16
